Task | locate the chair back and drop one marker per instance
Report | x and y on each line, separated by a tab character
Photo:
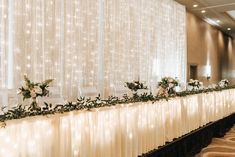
88	92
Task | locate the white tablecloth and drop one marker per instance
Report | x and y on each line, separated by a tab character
126	130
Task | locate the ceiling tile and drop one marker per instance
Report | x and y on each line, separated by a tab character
217	2
215	10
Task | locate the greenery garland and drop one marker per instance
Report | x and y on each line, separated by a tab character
88	104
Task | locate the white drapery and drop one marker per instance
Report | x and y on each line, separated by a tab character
97	44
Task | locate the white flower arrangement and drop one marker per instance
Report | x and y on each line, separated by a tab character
194	85
167	86
34	90
135	86
223	83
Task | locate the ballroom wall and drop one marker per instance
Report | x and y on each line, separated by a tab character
210	50
228	59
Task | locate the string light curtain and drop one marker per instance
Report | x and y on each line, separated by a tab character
4	43
91	43
144	40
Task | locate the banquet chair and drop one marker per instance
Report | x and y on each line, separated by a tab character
3	98
13	98
119	91
88	92
8	98
55	97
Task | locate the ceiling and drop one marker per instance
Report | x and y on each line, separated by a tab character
217	12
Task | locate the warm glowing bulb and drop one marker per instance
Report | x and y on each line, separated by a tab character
28	65
18	68
203	11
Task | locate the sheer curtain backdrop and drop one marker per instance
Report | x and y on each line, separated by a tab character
91	45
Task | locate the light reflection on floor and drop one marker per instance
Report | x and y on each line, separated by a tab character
220	147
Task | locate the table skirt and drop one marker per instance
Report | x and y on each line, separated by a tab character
125	130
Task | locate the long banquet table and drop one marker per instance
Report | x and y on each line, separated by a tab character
126	130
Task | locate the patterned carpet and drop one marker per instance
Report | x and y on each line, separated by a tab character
220	147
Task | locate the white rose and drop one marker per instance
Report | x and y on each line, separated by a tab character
25	86
160	89
33	93
222	84
171	80
171	85
19	91
38	90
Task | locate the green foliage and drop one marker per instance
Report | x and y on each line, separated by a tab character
87	104
136	85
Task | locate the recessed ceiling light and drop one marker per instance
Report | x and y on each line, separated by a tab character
229	29
195	5
212	22
203	11
218	21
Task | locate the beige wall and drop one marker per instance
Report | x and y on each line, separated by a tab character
206	45
228	61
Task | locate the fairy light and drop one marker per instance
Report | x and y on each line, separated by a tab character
18	68
79	52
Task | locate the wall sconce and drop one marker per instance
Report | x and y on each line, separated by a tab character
207	72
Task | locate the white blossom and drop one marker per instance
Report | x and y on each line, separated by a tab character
38	90
25	86
223	83
33	93
170	80
171	85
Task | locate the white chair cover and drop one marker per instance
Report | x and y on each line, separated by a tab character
89	92
8	98
55	97
119	91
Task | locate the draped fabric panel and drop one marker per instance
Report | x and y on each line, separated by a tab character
96	44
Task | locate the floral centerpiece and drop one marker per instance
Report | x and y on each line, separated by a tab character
34	90
166	87
223	83
135	86
194	85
